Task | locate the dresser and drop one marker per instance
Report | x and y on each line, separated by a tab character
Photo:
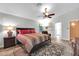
9	42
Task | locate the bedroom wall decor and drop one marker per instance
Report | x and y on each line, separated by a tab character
40	28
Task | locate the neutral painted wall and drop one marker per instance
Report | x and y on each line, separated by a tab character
6	19
65	19
1	36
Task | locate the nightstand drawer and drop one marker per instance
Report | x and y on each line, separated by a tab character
8	42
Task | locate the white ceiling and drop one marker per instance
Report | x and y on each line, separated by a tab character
32	10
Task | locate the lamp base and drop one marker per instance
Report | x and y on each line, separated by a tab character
9	33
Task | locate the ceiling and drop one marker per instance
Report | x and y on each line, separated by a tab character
32	10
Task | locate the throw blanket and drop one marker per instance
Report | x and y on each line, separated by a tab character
30	40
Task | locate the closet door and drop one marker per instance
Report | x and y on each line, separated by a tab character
74	35
74	29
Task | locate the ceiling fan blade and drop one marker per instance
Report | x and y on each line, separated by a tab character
49	17
51	14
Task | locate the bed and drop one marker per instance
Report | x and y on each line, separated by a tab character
30	40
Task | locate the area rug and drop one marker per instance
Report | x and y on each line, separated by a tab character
49	50
55	48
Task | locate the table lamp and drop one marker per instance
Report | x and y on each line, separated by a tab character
9	30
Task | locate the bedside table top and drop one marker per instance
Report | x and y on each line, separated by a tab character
9	37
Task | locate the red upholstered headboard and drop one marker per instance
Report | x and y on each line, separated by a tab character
25	30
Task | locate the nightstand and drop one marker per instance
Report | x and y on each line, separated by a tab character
9	42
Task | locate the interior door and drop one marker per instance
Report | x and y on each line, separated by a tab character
74	29
74	36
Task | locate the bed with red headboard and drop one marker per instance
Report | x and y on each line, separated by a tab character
29	38
24	31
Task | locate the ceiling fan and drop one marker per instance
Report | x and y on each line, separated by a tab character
46	14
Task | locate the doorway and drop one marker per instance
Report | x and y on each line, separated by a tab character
58	30
74	29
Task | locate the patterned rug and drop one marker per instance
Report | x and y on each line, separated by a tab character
49	50
62	48
55	48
